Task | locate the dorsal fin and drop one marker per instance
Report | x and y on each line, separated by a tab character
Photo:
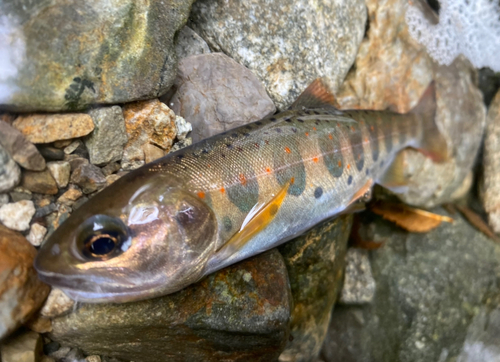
317	95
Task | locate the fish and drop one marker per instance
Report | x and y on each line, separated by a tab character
173	221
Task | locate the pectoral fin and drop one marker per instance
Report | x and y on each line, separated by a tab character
363	194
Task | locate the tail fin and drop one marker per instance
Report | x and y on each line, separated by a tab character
433	143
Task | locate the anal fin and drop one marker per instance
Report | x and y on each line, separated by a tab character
394	178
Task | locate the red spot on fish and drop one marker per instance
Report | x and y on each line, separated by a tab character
359	157
201	195
352	128
315	159
338	124
348	166
340	163
266	141
366	139
209	165
372	128
314	128
292	180
287	150
268	169
256	145
361	122
222	190
307	134
243	179
330	136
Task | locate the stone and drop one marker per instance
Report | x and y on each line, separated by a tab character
20	149
105	144
189	43
491	165
434	292
76	161
17	215
40	182
62	143
23	347
183	128
238	313
359	285
54	219
315	264
70	196
60	171
89	177
64	56
39	324
51	153
489	83
285	44
146	122
36	235
152	152
216	94
93	358
60	353
4	199
110	168
45	128
21	293
10	173
47	359
20	193
181	144
57	303
45	210
112	178
72	147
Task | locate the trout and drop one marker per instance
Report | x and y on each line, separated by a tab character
171	222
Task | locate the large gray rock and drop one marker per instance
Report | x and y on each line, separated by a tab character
434	294
216	94
65	55
287	44
10	173
189	43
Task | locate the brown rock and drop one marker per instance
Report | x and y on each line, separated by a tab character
21	293
75	161
26	346
69	197
41	182
21	150
39	324
45	128
89	177
57	303
151	152
110	168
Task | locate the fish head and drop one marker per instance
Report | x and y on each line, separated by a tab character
137	239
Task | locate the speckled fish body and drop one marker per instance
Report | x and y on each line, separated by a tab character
321	160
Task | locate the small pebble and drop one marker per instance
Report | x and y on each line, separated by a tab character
93	358
60	353
20	193
62	144
17	215
89	177
70	196
359	285
111	178
110	168
24	347
21	150
40	182
75	161
152	152
4	199
42	200
183	128
72	147
60	170
56	304
51	153
11	173
36	235
45	210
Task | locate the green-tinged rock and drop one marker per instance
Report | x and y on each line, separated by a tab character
66	55
437	298
240	313
315	263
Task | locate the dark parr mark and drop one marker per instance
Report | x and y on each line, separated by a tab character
259	123
278	130
356	139
318	192
273	119
234	135
289	165
349	180
372	127
332	155
228	225
288	120
387	130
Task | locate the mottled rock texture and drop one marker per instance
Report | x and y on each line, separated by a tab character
66	55
240	313
10	173
17	215
21	293
189	43
434	293
216	94
286	44
21	150
41	182
359	285
315	262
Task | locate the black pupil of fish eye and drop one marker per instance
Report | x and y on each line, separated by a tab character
102	244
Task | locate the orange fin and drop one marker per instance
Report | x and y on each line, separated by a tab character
317	95
363	194
257	222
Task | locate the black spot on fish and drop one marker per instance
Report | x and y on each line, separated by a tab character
316	113
300	120
316	122
259	123
246	134
374	144
356	140
223	155
288	120
228	225
204	151
318	192
294	130
349	180
228	145
288	166
272	119
248	127
234	135
332	155
278	130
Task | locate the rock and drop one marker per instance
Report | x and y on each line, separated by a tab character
69	197
51	153
60	170
146	122
40	182
105	144
57	303
112	178
315	264
23	347
62	143
110	168
489	83
183	128
20	193
60	353
89	177
47	359
20	149
93	358
45	210
17	216
433	291
51	347
45	128
181	144
4	199
39	324
76	161
72	147
491	165
359	285
287	45
216	94
70	55
239	313
21	293
151	152
189	43
10	173
53	220
36	235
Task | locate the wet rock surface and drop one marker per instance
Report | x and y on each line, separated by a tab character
434	293
68	55
21	293
315	264
10	173
20	149
216	94
359	285
239	313
286	45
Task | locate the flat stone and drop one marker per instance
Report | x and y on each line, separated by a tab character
36	235
239	313
62	143
10	173
17	215
359	285
105	144
21	293
111	178
70	196
147	122
40	182
315	264
51	153
45	128
89	177
20	149
189	43
285	44
435	292
22	347
69	56
72	147
57	303
20	193
216	94
60	171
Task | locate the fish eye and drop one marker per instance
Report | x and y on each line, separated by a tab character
101	237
